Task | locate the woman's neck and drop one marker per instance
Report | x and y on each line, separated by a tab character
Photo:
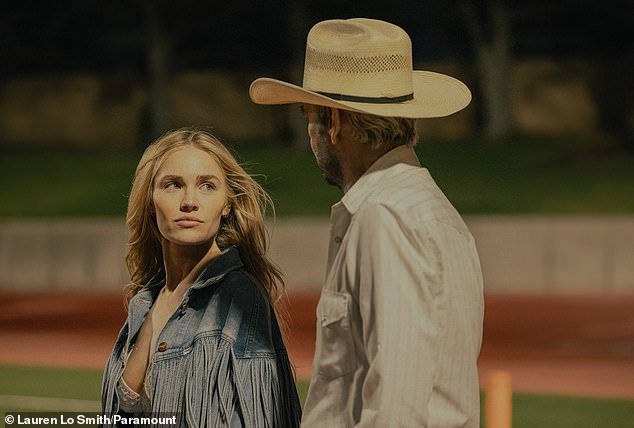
183	263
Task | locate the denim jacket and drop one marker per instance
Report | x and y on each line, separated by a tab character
219	361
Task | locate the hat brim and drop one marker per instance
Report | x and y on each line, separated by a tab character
435	95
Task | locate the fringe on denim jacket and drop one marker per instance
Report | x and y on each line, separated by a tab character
219	361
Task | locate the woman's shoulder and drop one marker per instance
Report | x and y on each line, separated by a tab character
228	278
240	311
240	284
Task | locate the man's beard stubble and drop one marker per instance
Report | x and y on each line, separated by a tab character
327	160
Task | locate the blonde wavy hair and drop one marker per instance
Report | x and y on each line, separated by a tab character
243	226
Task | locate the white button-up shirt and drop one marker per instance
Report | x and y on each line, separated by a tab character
399	321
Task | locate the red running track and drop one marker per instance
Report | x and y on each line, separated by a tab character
573	345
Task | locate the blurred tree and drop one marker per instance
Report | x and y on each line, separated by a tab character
488	23
612	90
149	41
600	35
298	26
158	46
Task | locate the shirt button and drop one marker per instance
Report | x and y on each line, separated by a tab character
162	347
338	239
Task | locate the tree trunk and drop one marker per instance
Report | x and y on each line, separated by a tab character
298	29
493	64
157	65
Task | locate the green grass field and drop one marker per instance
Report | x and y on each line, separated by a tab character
521	175
529	410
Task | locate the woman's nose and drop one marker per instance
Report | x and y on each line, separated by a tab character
189	203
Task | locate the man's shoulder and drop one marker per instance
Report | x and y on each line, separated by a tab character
410	194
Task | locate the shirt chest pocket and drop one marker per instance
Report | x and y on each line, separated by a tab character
336	348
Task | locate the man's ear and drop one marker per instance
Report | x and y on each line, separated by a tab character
335	125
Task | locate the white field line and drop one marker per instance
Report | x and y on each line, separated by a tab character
47	404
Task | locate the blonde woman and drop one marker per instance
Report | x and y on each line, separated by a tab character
201	340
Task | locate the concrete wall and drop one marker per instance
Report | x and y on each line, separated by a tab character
567	254
519	254
62	254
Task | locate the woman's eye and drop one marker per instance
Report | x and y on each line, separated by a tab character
208	186
172	185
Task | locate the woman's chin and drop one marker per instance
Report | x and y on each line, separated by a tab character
190	241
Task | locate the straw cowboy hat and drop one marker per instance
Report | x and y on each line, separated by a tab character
365	65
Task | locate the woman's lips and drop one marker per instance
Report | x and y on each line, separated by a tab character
188	222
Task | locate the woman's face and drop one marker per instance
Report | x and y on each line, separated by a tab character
190	197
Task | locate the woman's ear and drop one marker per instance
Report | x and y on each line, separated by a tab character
226	210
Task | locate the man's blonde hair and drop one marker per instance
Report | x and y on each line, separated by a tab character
377	131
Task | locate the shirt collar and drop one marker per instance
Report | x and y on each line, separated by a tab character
360	190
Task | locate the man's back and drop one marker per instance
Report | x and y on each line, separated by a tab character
400	318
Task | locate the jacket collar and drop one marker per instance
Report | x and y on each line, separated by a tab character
374	175
219	267
216	270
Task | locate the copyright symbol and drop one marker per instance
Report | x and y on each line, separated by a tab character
9	419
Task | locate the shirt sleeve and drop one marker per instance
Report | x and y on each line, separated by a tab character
400	303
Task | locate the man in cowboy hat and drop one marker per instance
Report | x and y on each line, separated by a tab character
399	321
